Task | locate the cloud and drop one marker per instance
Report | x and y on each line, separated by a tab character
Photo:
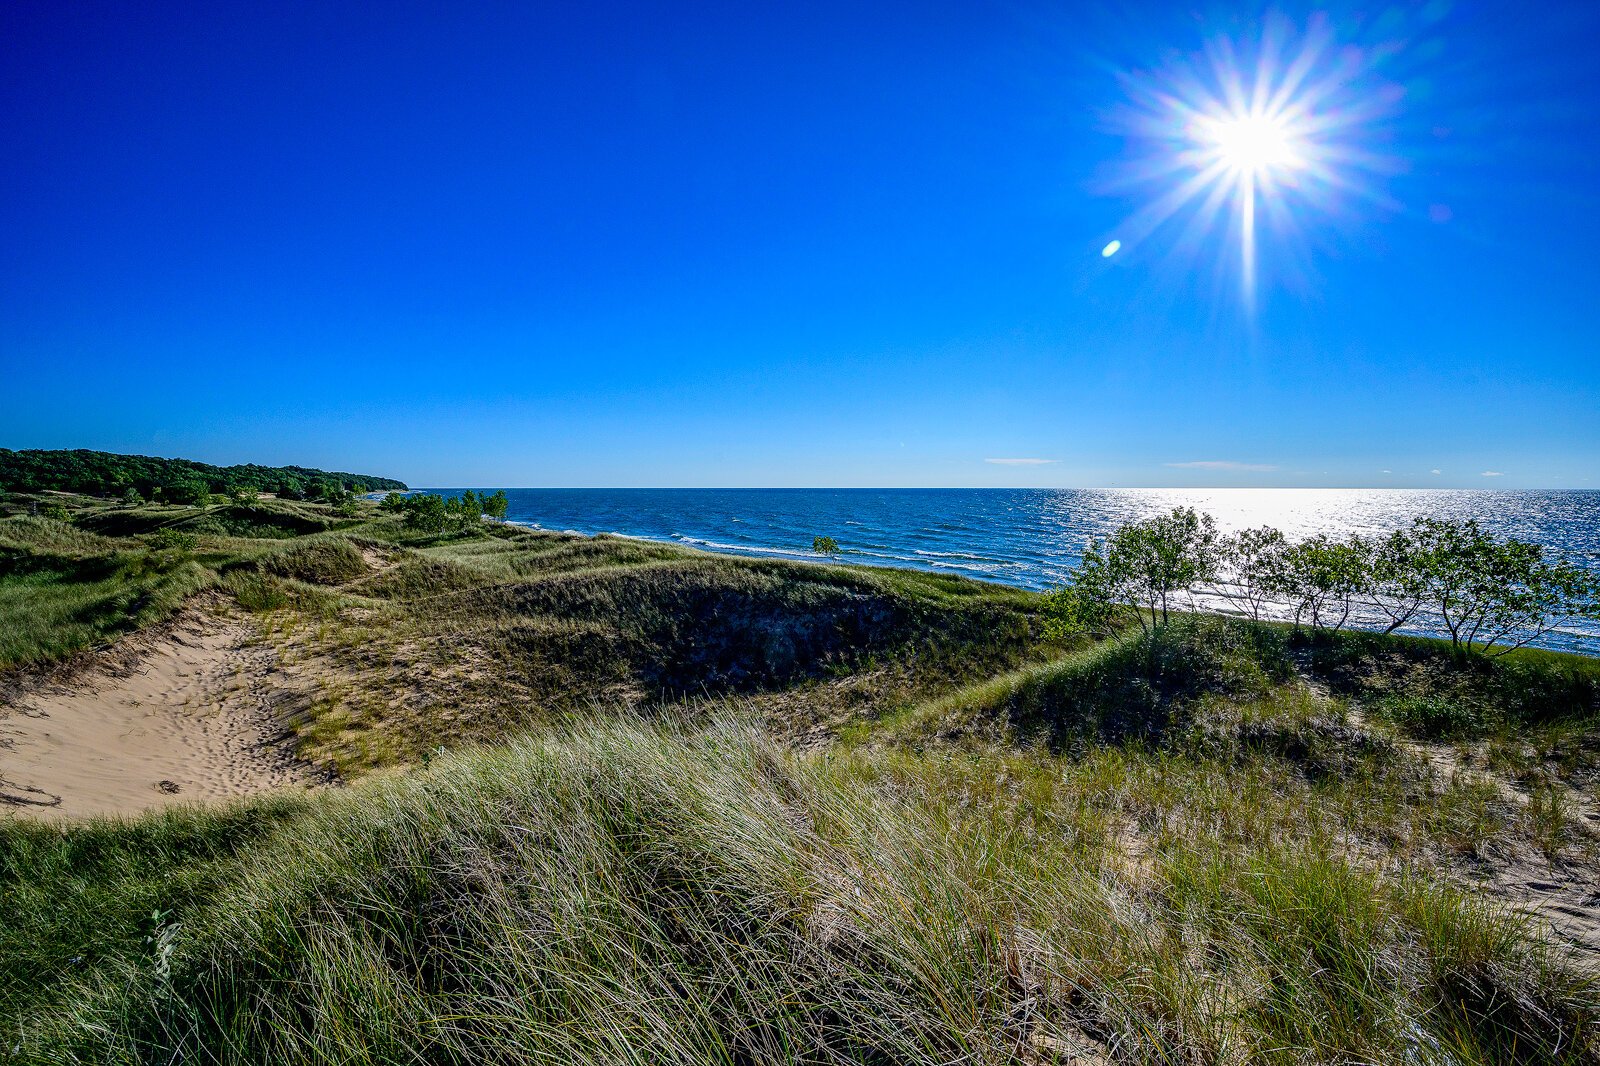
1493	473
1221	464
1433	471
1022	462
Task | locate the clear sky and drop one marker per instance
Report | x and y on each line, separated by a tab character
812	244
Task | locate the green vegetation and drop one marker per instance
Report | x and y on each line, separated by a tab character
661	806
668	893
135	478
432	513
63	589
1492	596
825	546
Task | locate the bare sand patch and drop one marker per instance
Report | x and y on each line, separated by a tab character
190	713
1563	896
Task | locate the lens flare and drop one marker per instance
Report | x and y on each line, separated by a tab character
1279	125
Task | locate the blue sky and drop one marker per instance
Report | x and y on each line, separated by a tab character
807	245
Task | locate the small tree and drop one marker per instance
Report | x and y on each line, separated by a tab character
466	510
394	503
187	491
1323	579
131	497
825	546
1253	566
1088	603
54	510
1490	592
426	512
1399	578
495	506
1147	564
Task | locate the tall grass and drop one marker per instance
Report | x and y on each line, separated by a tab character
63	590
636	892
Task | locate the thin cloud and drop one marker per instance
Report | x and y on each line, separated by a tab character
1022	462
1433	471
1221	464
1493	473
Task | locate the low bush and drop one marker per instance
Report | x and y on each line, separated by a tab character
325	561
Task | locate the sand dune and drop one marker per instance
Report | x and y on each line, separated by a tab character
189	714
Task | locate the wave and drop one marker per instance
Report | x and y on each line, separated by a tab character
798	553
956	555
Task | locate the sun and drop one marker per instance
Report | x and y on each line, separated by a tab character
1266	132
1251	144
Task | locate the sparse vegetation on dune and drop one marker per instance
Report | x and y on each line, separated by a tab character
1016	829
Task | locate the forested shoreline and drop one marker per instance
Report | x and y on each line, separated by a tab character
113	475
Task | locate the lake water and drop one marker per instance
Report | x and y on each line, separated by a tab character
1031	537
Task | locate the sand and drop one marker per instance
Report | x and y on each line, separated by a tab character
190	713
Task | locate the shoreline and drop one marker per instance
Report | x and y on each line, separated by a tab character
1581	644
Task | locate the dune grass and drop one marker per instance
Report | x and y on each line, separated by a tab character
63	590
656	892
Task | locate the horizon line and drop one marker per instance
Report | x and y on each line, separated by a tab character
1008	488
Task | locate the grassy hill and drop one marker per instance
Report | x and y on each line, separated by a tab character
659	806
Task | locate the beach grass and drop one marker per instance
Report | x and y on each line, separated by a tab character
671	892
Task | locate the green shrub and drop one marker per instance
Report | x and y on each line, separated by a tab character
1437	717
174	540
328	561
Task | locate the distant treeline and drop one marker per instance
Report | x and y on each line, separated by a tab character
171	480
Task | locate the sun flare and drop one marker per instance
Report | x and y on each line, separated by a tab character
1272	130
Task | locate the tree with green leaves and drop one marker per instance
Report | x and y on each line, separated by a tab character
1324	579
187	491
426	513
495	506
1253	563
1495	596
1087	604
825	546
1399	578
1148	564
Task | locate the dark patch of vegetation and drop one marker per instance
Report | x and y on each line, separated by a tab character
125	477
1421	686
